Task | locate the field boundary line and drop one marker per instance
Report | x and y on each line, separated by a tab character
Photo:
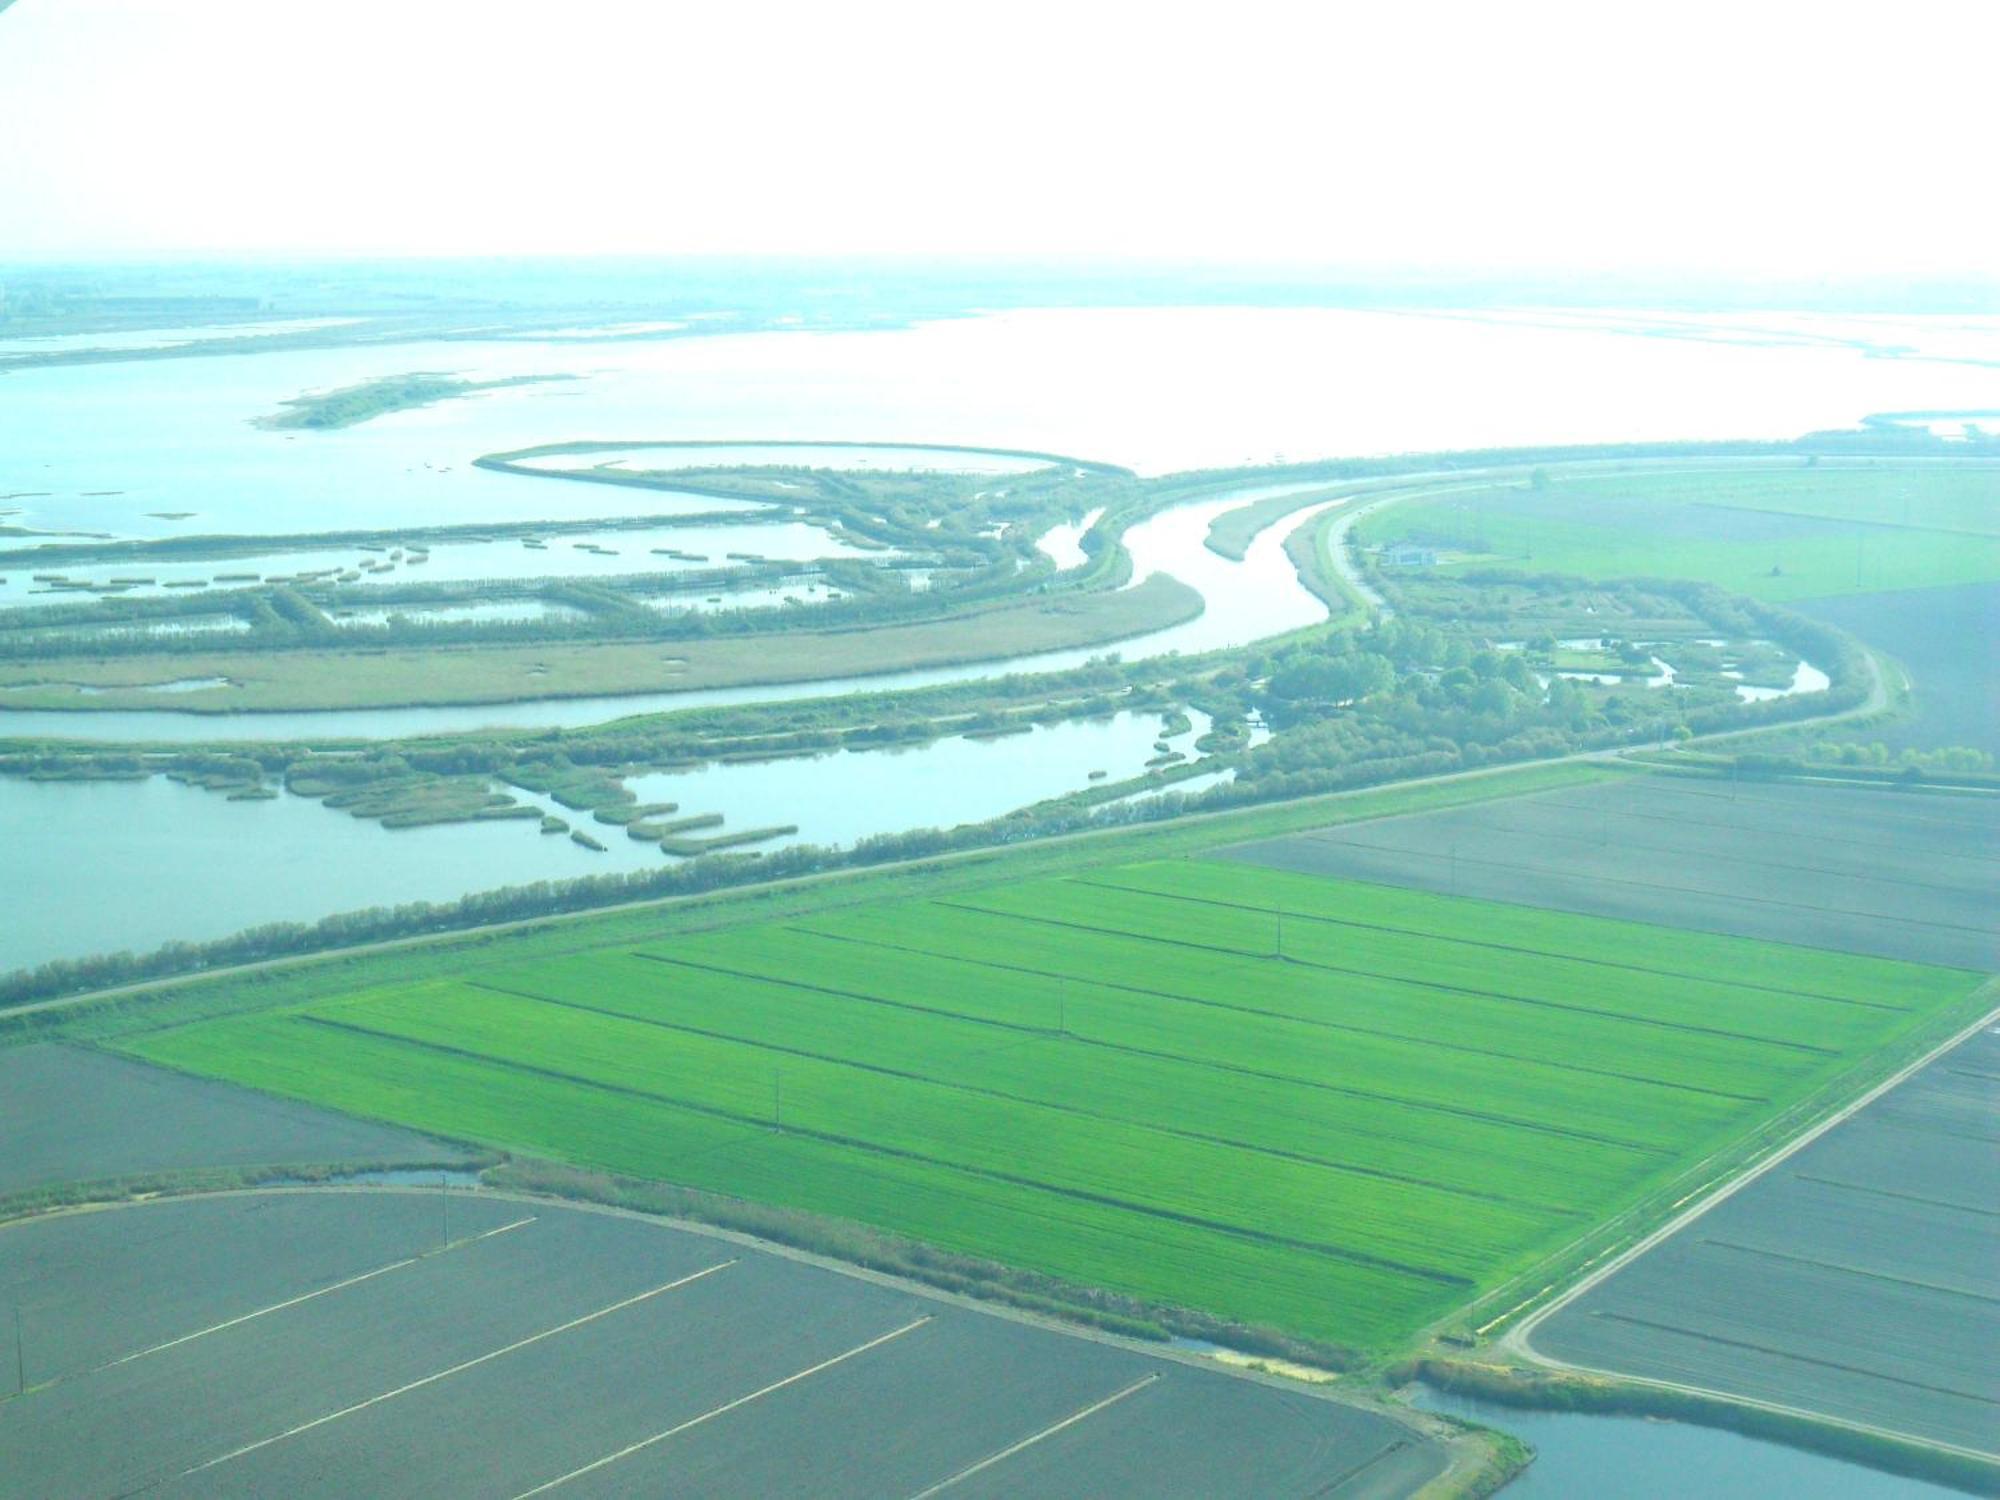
1346	1090
275	1307
411	1260
1938	1287
1590	764
727	1407
1882	1192
1320	1023
1347	1397
1741	826
1804	1359
1033	1438
1098	982
1685	890
1427	984
905	1153
460	1367
1329	836
1519	1338
1333	542
1097	880
1029	1101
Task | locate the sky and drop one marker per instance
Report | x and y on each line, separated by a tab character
1829	138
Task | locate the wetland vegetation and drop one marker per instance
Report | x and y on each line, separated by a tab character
1468	618
354	404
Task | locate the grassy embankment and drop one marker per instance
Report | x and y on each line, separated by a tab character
309	679
297	980
1230	534
1774	534
1309	547
1565	1391
1331	1110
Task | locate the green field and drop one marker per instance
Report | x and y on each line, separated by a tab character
1117	1078
1775	534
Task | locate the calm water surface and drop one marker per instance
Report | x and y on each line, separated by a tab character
93	867
1158	390
1245	601
1629	1458
120	448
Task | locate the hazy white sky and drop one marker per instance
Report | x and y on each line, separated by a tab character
1791	138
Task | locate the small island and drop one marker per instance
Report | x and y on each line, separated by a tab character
351	405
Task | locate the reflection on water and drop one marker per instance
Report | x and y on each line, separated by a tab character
641	459
849	795
1245	601
1159	390
161	338
1636	1459
93	867
611	553
1806	678
1062	544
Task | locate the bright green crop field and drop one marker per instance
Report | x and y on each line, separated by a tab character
1338	1109
1773	533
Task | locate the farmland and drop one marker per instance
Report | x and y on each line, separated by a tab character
1333	1109
1891	873
70	1115
342	1343
1857	1278
1935	634
1775	534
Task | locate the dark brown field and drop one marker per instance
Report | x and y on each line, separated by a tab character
1859	1279
68	1114
335	1342
1893	873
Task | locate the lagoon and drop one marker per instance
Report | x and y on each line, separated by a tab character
98	866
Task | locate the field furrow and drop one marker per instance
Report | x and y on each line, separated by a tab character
1328	1107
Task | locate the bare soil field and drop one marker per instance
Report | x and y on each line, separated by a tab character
69	1114
1859	1279
345	1342
1896	874
1945	637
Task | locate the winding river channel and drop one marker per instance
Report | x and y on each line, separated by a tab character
172	448
87	859
169	448
1243	601
92	866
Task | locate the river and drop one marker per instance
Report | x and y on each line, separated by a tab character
1243	601
168	447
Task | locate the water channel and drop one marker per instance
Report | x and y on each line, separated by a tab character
97	866
1260	596
1635	1458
